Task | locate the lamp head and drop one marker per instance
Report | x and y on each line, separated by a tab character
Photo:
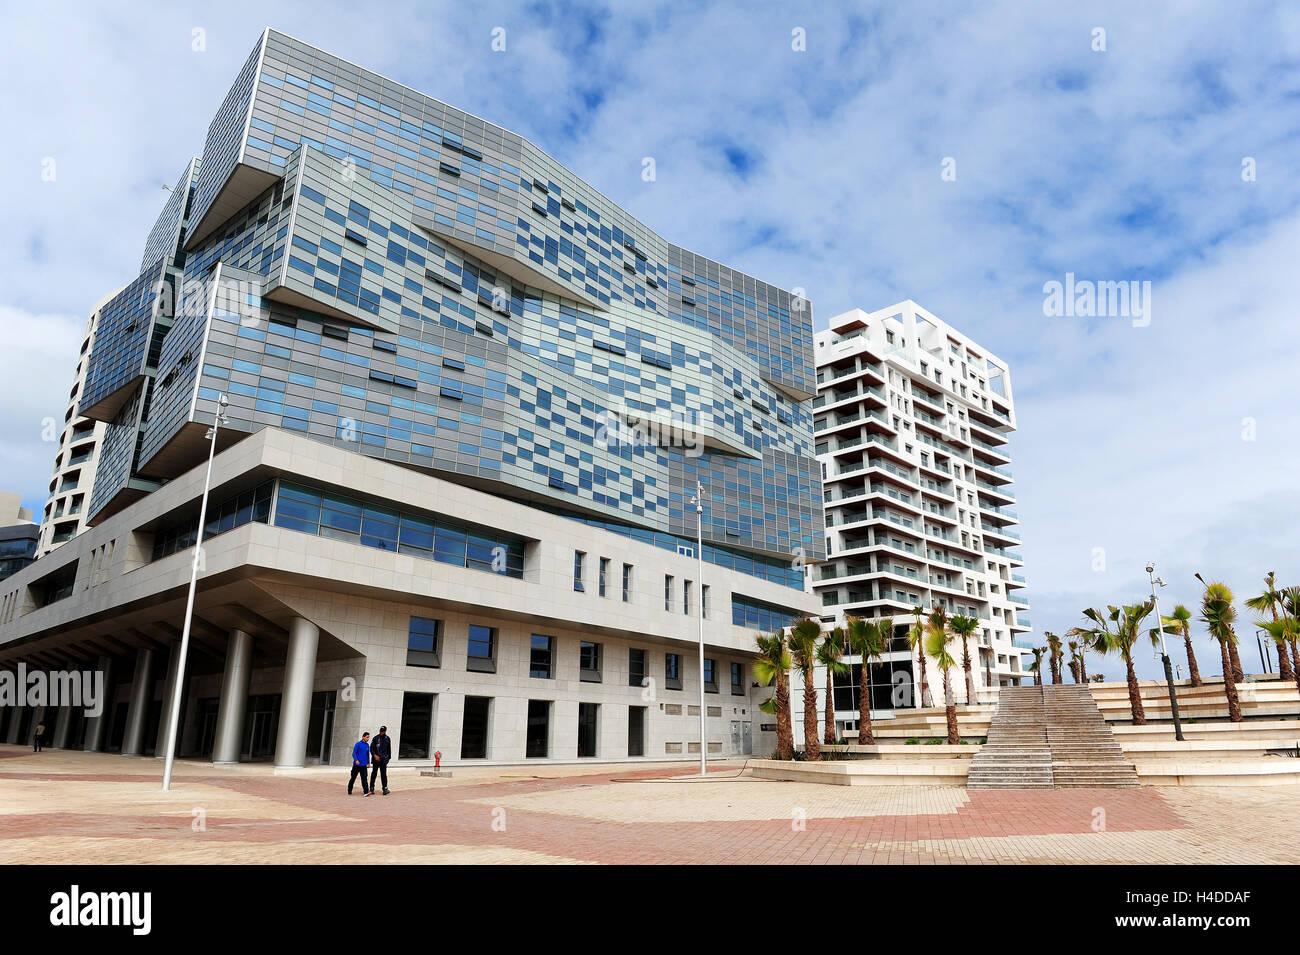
1151	568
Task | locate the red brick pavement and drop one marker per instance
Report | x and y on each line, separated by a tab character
453	815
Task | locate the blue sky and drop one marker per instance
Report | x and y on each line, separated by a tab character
820	168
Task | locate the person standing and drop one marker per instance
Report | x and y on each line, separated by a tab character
39	738
381	751
360	764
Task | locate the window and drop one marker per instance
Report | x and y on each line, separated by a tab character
673	671
588	715
704	599
737	679
422	642
710	675
541	662
636	668
416	728
627	583
668	593
577	570
482	649
686	596
604	573
589	662
474	728
537	743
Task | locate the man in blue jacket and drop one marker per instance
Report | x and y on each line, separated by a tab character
381	751
360	764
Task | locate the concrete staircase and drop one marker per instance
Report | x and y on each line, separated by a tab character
1050	737
1016	754
1084	751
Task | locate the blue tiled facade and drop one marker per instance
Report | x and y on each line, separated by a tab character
407	280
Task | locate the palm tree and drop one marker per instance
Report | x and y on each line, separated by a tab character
1179	623
773	665
1218	615
1269	600
868	639
1291	601
936	645
1083	637
1283	631
916	640
803	650
1074	660
1054	648
828	655
963	627
1037	666
1120	635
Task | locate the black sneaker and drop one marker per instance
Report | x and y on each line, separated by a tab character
385	792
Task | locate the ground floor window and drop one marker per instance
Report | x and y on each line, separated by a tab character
636	730
587	719
537	745
416	729
474	728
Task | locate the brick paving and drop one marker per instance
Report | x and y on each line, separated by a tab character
85	808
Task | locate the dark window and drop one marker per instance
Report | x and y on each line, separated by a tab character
604	572
482	649
636	730
589	662
704	599
668	593
577	570
627	582
737	679
636	668
542	657
686	596
710	675
416	728
587	717
422	642
673	671
537	744
474	728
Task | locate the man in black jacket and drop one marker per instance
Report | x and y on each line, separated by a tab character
381	751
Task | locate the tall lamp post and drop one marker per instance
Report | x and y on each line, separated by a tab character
1164	652
175	703
699	552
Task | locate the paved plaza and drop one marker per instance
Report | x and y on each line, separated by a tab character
70	807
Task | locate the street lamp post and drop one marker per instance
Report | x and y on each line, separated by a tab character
699	529
175	703
1164	653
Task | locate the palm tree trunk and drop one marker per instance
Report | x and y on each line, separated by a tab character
1083	667
784	728
926	699
811	747
1235	659
970	677
1284	669
1192	670
1074	671
1038	677
829	736
865	736
1229	686
1056	670
1135	696
950	710
1295	662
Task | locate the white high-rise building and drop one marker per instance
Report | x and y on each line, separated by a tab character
912	419
75	461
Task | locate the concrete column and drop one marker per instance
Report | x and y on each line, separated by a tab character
295	698
169	687
137	711
97	726
233	706
15	722
62	726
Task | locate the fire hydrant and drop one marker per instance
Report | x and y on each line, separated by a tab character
437	760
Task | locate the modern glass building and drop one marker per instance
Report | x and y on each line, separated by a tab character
443	349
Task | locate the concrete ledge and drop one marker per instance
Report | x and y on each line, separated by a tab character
865	772
909	751
1263	771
